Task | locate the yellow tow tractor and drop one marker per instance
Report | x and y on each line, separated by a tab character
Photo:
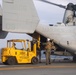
19	51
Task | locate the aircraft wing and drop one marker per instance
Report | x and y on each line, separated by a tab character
19	16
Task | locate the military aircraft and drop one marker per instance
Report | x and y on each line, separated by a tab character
21	16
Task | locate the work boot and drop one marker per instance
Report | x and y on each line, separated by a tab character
46	63
39	61
49	62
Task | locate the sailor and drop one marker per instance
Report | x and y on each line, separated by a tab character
39	54
48	48
14	45
53	46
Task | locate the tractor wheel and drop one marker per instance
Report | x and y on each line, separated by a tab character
11	61
34	60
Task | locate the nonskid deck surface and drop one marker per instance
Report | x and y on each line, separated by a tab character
56	61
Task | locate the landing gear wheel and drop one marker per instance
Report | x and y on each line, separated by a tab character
74	58
11	61
34	60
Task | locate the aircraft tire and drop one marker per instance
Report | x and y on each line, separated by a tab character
74	58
